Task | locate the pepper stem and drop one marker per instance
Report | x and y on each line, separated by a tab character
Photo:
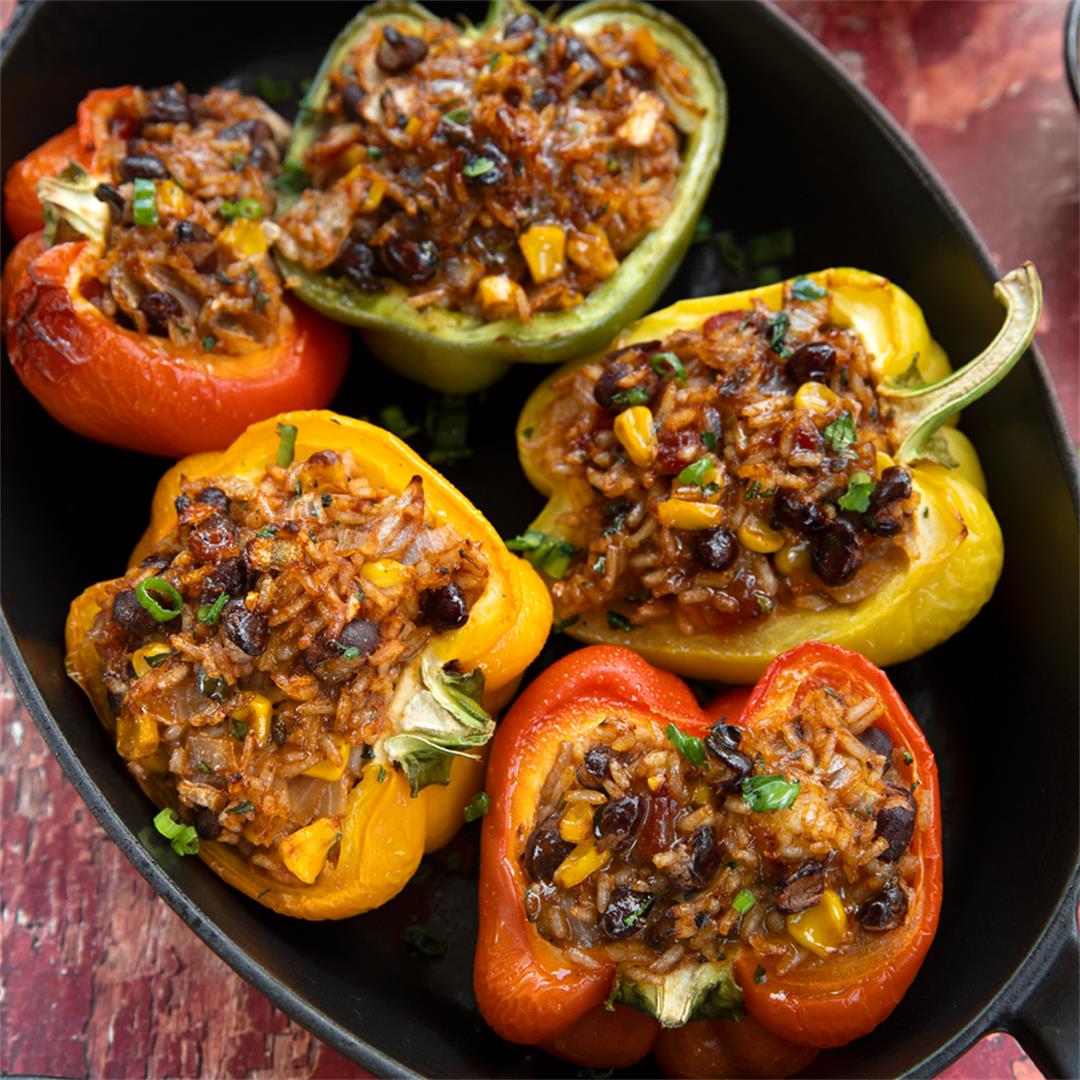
918	412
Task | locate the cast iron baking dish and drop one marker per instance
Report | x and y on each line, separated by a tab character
807	151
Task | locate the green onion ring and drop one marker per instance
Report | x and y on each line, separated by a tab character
162	587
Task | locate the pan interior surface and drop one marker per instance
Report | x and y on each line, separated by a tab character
805	153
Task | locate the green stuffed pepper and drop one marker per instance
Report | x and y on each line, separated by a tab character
516	191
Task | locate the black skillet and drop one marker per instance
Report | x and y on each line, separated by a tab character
809	151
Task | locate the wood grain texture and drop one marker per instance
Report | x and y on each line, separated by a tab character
100	978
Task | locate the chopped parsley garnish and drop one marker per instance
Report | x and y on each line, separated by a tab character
908	759
616	621
564	624
293	178
698	473
159	658
479	166
840	434
478	806
551	554
244	807
381	775
210	613
764	603
777	328
351	653
691	748
708	440
249	209
760	975
640	910
493	62
755	491
239	161
375	153
636	395
183	839
857	496
744	901
268	532
765	793
239	730
669	366
393	418
600	564
804	288
209	343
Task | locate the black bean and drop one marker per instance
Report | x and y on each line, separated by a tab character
255	131
522	23
578	52
723	743
896	822
885	911
873	738
160	307
594	769
106	193
207	824
545	850
229	577
359	634
398	52
717	548
894	485
216	688
835	553
360	265
199	244
444	608
883	520
324	457
352	101
795	511
247	630
812	362
660	933
626	912
637	76
617	822
260	157
157	561
706	854
131	616
215	497
800	888
143	166
608	385
412	262
213	539
542	98
621	386
169	105
279	730
115	700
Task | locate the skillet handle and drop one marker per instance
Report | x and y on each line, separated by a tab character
1044	1019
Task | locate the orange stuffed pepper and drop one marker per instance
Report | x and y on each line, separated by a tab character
142	305
303	661
652	872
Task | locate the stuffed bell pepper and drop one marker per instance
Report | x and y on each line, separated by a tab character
742	473
652	873
302	662
513	191
146	310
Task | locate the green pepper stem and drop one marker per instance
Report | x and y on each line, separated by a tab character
918	412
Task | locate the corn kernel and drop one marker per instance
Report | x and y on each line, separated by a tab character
591	251
702	794
326	769
258	715
374	196
813	397
757	536
544	248
140	656
882	462
498	295
792	557
304	852
821	928
634	429
412	127
683	514
579	864
136	736
172	198
655	782
244	237
576	823
386	573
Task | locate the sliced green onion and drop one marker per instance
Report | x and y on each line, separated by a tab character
210	613
164	588
696	473
351	653
287	446
668	365
144	204
478	807
691	748
251	209
744	901
636	395
765	793
760	975
183	839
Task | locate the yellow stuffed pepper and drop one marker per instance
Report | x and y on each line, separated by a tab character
742	473
302	662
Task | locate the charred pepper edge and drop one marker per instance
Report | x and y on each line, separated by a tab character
458	353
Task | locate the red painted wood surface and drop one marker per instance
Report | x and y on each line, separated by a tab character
99	978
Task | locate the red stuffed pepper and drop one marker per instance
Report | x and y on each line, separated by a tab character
147	311
652	872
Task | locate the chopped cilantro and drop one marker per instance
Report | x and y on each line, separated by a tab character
691	748
804	288
616	621
857	496
840	434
